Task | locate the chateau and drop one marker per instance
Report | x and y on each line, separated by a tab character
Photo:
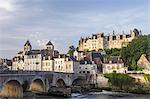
100	41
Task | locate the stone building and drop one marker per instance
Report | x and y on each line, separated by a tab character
114	64
79	55
144	62
47	64
65	63
5	64
95	42
99	41
18	61
87	67
33	59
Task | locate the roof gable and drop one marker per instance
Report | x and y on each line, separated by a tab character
49	43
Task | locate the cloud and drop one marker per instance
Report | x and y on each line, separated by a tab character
64	23
7	5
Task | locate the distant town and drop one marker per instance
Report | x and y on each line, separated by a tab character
103	58
84	59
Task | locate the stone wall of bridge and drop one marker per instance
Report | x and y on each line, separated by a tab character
37	81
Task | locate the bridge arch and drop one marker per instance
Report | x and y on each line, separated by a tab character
12	88
37	85
78	82
60	83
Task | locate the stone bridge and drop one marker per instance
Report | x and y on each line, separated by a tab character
39	81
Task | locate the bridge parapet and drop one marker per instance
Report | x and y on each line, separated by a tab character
49	78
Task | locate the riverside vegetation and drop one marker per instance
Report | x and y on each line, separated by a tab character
125	83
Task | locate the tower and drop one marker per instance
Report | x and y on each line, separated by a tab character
27	46
50	49
49	46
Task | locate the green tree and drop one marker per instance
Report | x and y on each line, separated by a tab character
147	77
112	52
71	50
132	53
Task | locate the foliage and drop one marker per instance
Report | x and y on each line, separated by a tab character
132	53
147	77
120	80
25	85
71	50
112	52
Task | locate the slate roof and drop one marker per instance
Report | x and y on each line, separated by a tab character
33	52
71	58
83	62
27	43
113	59
20	52
49	43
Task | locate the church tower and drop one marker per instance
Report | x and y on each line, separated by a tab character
27	46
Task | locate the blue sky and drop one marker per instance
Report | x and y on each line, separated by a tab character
65	21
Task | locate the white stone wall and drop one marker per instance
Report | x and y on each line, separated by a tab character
33	62
111	67
59	64
47	65
18	65
87	68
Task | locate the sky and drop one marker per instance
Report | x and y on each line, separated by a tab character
63	22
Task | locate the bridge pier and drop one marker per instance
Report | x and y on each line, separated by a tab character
60	91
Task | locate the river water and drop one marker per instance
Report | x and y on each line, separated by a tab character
97	95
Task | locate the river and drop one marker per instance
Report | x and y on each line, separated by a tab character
97	95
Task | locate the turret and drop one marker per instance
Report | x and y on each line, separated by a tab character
136	32
27	46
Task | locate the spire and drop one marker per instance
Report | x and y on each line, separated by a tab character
27	43
27	46
49	43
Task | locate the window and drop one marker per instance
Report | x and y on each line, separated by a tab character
88	72
83	71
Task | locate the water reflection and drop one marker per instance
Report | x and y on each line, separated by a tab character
97	95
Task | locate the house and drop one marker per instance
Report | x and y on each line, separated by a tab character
144	62
87	67
47	64
18	61
33	59
79	55
114	64
5	64
65	64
